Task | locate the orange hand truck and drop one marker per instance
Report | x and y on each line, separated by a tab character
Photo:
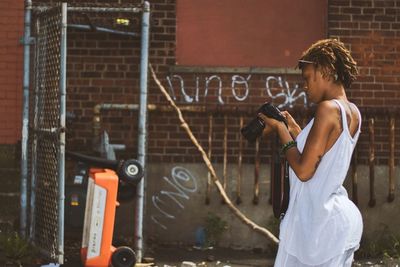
101	202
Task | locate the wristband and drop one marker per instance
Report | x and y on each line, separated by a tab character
288	146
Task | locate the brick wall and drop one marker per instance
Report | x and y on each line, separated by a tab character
371	30
104	68
11	55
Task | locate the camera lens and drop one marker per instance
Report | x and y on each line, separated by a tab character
253	130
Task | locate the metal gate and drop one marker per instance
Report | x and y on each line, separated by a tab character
47	131
43	127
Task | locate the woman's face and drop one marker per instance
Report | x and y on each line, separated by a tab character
314	83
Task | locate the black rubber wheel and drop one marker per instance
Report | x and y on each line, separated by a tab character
131	171
123	257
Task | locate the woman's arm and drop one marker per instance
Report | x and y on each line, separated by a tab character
305	164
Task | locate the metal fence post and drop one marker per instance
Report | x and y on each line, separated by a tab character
25	119
61	156
142	138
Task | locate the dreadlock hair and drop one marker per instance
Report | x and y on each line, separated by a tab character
333	60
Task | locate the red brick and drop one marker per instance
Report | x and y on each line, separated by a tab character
367	10
351	10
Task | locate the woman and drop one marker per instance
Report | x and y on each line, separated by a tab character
322	227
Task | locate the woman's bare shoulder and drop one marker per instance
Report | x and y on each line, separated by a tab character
327	109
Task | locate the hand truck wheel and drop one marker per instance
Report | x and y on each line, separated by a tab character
131	171
123	257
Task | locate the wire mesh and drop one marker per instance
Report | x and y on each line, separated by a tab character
45	128
114	16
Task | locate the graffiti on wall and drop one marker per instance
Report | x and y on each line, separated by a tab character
289	95
285	95
168	202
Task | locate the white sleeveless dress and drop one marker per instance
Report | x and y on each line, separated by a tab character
322	226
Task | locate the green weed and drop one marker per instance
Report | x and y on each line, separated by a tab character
15	250
385	245
214	228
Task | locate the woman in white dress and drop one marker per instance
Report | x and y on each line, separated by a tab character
321	227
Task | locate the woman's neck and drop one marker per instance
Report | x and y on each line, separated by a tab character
335	92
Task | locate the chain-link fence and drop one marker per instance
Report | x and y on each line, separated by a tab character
43	151
47	124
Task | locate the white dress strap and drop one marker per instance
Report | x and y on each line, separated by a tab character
344	120
343	114
359	119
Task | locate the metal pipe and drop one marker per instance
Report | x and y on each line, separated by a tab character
371	159
142	129
43	8
210	130
392	185
239	177
63	113
34	140
355	176
97	119
257	173
273	141
25	119
101	29
109	9
225	154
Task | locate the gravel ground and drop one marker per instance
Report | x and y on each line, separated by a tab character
176	256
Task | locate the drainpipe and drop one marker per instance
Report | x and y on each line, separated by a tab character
142	130
25	118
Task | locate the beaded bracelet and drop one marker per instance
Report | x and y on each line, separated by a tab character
287	146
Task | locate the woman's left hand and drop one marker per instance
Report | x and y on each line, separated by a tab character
270	124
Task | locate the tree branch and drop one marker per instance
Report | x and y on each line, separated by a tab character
215	178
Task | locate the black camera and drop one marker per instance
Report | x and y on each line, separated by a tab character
256	126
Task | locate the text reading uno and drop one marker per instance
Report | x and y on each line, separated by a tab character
276	88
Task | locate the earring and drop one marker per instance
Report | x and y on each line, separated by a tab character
336	77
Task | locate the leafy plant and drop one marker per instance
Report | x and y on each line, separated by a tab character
15	249
214	228
390	261
386	245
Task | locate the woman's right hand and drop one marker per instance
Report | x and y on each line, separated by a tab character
294	128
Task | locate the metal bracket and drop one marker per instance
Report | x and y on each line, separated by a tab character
27	41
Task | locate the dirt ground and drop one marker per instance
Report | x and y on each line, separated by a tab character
168	256
174	256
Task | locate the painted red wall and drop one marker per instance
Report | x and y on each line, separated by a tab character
256	33
11	65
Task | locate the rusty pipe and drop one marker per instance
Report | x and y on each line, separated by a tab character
391	160
354	176
210	128
239	177
273	142
371	159
256	173
225	154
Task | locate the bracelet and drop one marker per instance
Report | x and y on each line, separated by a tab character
287	146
